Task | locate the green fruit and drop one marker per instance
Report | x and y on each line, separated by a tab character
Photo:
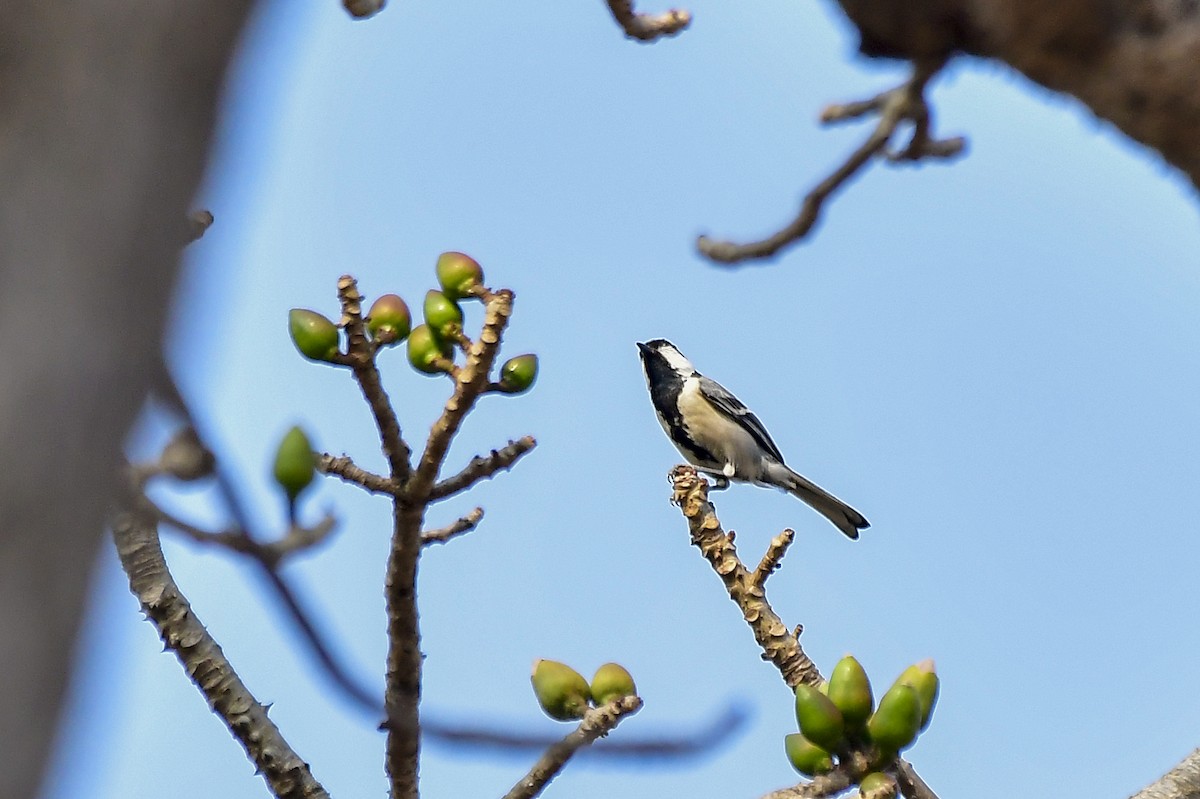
561	691
877	785
442	314
850	690
819	719
924	680
458	274
294	463
806	757
610	682
426	351
389	320
314	336
518	374
896	721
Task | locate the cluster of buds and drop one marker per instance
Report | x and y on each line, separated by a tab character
566	696
431	345
839	719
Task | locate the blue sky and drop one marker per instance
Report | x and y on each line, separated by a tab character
995	360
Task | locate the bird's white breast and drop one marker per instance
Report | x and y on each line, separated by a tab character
727	440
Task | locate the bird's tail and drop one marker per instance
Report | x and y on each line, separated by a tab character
844	517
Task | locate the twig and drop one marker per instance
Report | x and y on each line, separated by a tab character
343	467
286	773
820	787
648	27
780	646
482	467
272	553
905	103
911	784
470	382
774	554
598	722
361	357
443	534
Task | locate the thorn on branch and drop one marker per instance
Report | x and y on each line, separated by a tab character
648	27
443	534
904	104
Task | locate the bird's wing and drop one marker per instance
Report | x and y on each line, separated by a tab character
732	407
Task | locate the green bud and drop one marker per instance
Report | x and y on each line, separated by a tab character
924	680
389	321
850	690
895	723
294	466
518	374
610	682
561	691
314	336
458	274
877	785
819	719
806	757
442	314
425	350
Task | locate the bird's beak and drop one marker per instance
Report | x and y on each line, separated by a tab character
642	348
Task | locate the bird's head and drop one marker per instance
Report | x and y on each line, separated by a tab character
663	353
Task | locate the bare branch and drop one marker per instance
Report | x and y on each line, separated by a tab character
598	722
648	27
904	104
271	554
771	559
361	359
343	467
443	534
1181	782
286	773
482	467
780	646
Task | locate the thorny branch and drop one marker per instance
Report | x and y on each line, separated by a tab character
343	467
903	104
286	773
597	723
648	27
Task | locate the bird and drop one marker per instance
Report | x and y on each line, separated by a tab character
719	435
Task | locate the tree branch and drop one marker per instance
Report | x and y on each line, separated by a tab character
361	359
648	27
771	559
822	786
1181	782
482	467
780	646
597	723
345	468
286	773
905	103
443	534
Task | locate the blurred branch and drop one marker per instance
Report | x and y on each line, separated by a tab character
483	467
343	467
199	222
443	534
903	104
287	774
780	646
361	359
363	9
271	554
648	27
673	746
598	722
